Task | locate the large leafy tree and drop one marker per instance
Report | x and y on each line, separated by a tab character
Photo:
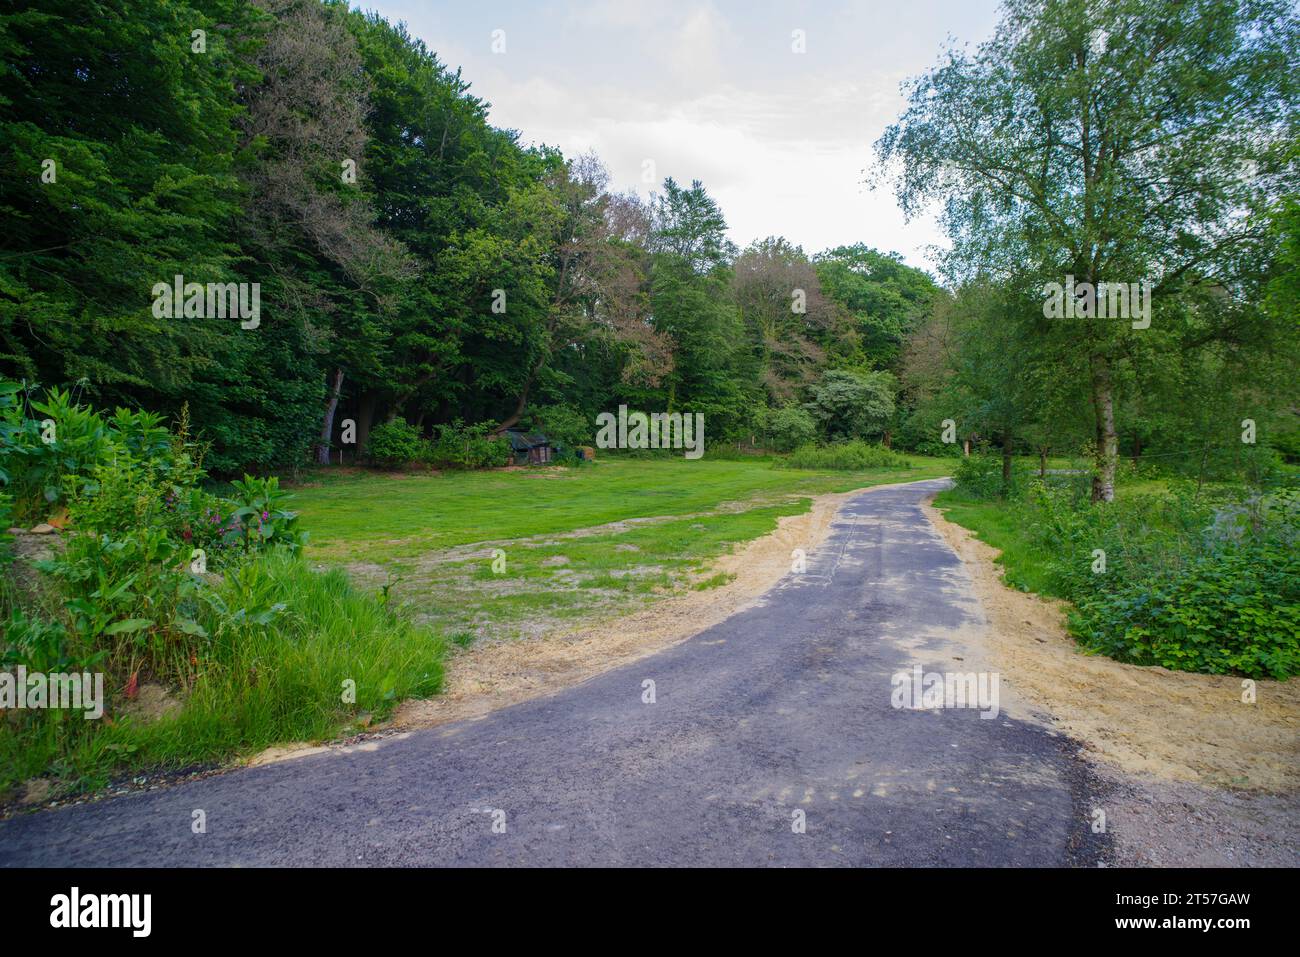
1113	141
882	301
692	305
117	128
594	278
783	313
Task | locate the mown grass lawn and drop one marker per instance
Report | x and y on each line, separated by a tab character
429	538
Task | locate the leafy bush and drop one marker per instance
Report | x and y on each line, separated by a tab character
59	440
51	452
852	404
563	425
467	447
129	594
275	648
981	476
394	444
1189	583
262	518
790	427
848	456
129	602
1231	610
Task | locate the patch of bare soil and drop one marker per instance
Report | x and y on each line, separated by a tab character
1155	823
1171	726
493	674
152	702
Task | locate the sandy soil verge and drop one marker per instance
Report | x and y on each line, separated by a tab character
1169	726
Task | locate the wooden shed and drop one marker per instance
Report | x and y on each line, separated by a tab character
529	448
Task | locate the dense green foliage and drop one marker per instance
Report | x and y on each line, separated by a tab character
1192	581
850	456
1127	141
413	262
157	580
394	443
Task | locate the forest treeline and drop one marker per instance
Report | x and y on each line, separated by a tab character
415	262
412	260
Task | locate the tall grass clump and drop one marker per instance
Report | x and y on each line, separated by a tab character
294	654
853	456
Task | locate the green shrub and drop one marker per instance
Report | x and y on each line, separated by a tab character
979	476
129	601
790	427
394	444
58	441
262	518
457	445
562	424
848	456
51	453
1229	610
130	594
1190	582
275	654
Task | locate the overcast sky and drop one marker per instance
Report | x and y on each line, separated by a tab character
712	90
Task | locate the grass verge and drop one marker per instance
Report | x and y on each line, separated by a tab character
294	655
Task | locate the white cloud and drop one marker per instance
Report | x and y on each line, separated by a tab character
710	90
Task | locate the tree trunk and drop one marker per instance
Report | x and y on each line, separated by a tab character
1137	446
965	448
522	404
327	426
1006	462
1042	463
1103	403
514	417
889	439
365	416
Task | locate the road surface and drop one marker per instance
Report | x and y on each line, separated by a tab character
783	708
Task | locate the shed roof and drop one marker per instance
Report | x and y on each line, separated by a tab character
521	442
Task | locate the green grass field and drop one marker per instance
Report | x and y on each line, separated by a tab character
1002	526
430	538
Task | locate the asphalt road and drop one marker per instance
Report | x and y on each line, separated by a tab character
783	708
